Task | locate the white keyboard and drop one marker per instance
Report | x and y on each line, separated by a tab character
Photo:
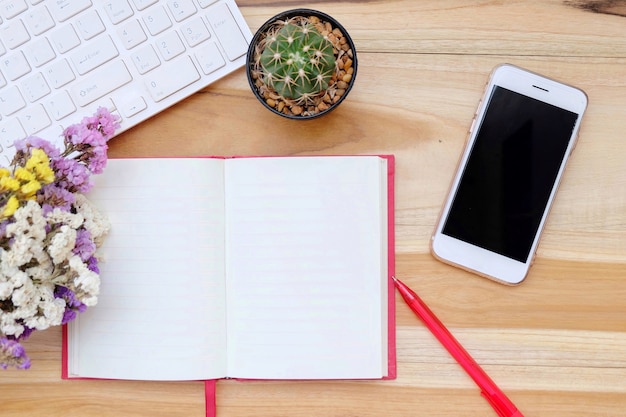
62	59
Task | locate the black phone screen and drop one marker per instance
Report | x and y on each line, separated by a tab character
510	174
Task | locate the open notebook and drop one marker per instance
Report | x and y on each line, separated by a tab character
252	268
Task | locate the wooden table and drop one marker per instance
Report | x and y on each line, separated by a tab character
555	344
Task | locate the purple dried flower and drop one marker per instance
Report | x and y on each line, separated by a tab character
92	265
52	196
98	159
3	228
61	292
13	354
26	144
84	247
68	315
108	123
71	175
72	304
27	332
89	139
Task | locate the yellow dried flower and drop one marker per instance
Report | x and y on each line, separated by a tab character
45	174
39	163
9	184
10	207
29	189
24	175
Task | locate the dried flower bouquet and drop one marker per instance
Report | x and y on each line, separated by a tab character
49	233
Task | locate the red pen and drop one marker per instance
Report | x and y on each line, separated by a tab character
500	402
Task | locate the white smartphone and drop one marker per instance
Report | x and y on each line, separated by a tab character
522	134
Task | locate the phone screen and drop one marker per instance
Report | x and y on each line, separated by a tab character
510	174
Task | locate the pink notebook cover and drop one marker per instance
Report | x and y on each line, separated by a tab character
210	385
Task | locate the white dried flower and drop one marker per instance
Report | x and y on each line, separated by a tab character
8	268
29	220
5	290
73	220
9	326
95	222
24	294
87	281
62	243
28	232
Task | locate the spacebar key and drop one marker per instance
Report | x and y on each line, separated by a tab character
168	79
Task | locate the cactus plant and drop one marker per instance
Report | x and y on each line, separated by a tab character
297	62
301	64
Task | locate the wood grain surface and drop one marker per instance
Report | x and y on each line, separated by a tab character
556	344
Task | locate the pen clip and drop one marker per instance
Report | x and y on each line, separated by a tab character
497	405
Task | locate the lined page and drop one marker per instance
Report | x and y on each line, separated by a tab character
161	313
306	259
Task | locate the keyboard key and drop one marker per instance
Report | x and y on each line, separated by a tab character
59	74
39	52
14	66
10	130
14	34
38	20
142	4
223	23
60	105
209	57
131	106
107	103
118	10
170	45
131	34
195	32
34	119
94	54
11	8
89	24
161	84
145	59
35	87
11	100
101	82
64	9
181	9
156	20
65	39
206	3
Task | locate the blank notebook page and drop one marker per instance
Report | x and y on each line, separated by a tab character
160	313
306	265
